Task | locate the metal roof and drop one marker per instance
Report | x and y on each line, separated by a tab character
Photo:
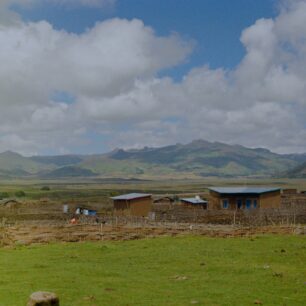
194	200
131	196
243	190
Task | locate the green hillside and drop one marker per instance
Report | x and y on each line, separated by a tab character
69	171
297	172
203	158
112	167
12	163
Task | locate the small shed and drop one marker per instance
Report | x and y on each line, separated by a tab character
133	204
235	198
195	202
164	200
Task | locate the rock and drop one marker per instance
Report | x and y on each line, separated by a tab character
258	302
300	230
180	277
41	298
276	274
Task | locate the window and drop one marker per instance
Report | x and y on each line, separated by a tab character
239	203
248	203
225	203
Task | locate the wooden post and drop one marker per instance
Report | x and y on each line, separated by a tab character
101	231
294	214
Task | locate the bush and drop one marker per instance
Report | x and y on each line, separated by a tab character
45	188
20	194
3	195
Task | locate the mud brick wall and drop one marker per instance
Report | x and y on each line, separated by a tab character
297	200
182	214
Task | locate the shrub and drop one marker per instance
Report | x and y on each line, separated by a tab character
3	195
45	188
20	194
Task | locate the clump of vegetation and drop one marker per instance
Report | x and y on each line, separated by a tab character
4	195
20	194
45	188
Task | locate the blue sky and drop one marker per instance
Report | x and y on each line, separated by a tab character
87	76
214	26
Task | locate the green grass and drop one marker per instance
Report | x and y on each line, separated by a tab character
163	271
96	190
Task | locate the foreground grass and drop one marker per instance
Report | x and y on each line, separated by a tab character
163	271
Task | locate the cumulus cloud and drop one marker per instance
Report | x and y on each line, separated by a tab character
101	68
111	71
262	102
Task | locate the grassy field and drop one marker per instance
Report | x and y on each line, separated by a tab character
163	271
95	189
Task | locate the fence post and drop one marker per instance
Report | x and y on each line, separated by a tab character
101	230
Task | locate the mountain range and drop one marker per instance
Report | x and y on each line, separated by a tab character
197	159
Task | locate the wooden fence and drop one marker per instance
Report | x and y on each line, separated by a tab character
293	215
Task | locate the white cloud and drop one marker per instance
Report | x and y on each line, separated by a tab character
260	103
8	16
100	67
112	71
90	3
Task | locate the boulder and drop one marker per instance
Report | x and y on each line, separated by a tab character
41	298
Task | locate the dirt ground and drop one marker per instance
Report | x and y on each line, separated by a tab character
26	234
32	222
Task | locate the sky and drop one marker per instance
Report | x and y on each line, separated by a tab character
88	76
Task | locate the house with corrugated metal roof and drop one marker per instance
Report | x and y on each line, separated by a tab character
235	198
133	204
195	202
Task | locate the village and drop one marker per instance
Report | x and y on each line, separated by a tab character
152	153
268	202
217	211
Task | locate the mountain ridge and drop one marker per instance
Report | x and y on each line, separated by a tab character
199	158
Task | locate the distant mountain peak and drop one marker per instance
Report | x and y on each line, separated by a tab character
263	150
10	153
199	142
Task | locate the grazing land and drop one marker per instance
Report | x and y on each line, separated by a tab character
267	270
96	264
94	189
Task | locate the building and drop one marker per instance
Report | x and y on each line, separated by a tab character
244	197
195	202
290	191
164	200
133	204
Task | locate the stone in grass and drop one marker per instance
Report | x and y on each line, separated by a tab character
180	277
258	302
278	274
41	298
